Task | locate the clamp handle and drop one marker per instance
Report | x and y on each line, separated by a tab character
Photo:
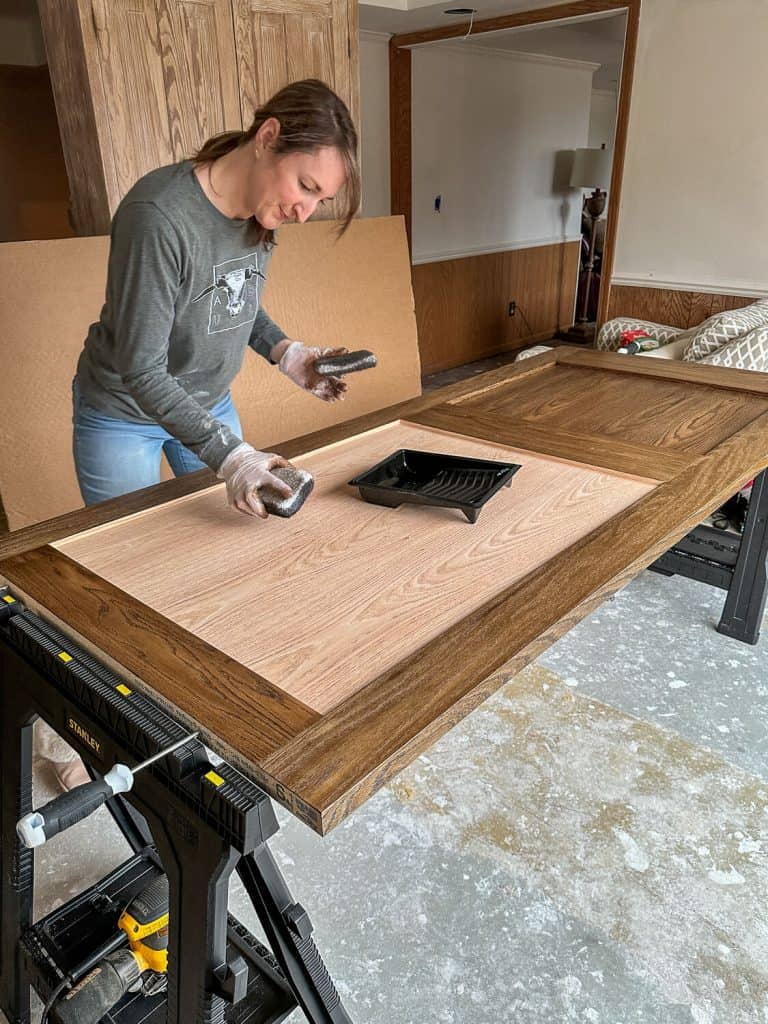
59	814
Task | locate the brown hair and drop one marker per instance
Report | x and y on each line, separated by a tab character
311	116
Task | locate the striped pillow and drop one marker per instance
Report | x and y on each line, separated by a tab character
723	328
747	353
609	336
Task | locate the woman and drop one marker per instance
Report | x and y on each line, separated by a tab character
189	253
190	247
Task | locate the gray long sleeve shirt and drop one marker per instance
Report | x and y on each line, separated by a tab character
182	305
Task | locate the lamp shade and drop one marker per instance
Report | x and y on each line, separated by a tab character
591	168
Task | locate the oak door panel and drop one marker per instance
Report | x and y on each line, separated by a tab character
281	41
321	764
131	72
198	54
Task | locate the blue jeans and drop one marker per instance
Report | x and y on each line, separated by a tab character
115	456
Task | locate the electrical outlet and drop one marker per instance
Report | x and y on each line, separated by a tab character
512	308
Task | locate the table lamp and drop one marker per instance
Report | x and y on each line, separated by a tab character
591	169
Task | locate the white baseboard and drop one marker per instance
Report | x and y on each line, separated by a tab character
758	291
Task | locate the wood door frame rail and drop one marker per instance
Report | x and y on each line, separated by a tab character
400	146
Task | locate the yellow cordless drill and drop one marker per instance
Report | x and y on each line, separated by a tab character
145	922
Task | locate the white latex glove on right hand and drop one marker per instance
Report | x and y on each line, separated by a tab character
298	364
245	470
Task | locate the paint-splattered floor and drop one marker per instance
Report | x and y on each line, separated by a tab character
589	847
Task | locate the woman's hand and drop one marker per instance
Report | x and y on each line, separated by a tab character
298	363
245	470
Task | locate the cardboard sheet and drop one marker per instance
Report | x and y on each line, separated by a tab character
354	292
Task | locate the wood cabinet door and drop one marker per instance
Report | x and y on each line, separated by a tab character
133	112
280	41
168	73
197	45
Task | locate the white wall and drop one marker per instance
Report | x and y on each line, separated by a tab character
694	211
602	119
374	123
487	126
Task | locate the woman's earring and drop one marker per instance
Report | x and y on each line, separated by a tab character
257	153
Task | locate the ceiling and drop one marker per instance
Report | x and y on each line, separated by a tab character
598	39
397	16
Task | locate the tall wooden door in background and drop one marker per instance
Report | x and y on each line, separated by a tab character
198	52
142	83
128	91
280	41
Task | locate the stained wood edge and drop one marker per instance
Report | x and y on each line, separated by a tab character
615	456
156	650
71	523
669	369
341	760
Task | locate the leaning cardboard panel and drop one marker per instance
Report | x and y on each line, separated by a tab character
355	291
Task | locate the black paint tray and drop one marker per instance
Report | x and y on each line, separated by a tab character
429	478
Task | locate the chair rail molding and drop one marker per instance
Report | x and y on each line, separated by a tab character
647	281
485	250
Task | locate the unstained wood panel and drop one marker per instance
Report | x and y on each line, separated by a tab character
325	602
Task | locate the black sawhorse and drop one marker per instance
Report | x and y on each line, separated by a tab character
195	820
733	563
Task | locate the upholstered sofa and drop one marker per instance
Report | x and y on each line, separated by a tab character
736	338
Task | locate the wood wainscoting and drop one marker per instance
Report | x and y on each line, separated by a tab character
667	306
462	304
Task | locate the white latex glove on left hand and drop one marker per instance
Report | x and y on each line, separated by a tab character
298	363
246	470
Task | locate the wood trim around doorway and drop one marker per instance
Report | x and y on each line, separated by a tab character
400	106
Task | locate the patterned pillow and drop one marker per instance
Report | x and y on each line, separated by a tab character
609	336
723	328
747	353
534	350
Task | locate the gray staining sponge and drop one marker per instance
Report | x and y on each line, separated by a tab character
301	483
350	362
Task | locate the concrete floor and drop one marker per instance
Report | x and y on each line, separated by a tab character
589	846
